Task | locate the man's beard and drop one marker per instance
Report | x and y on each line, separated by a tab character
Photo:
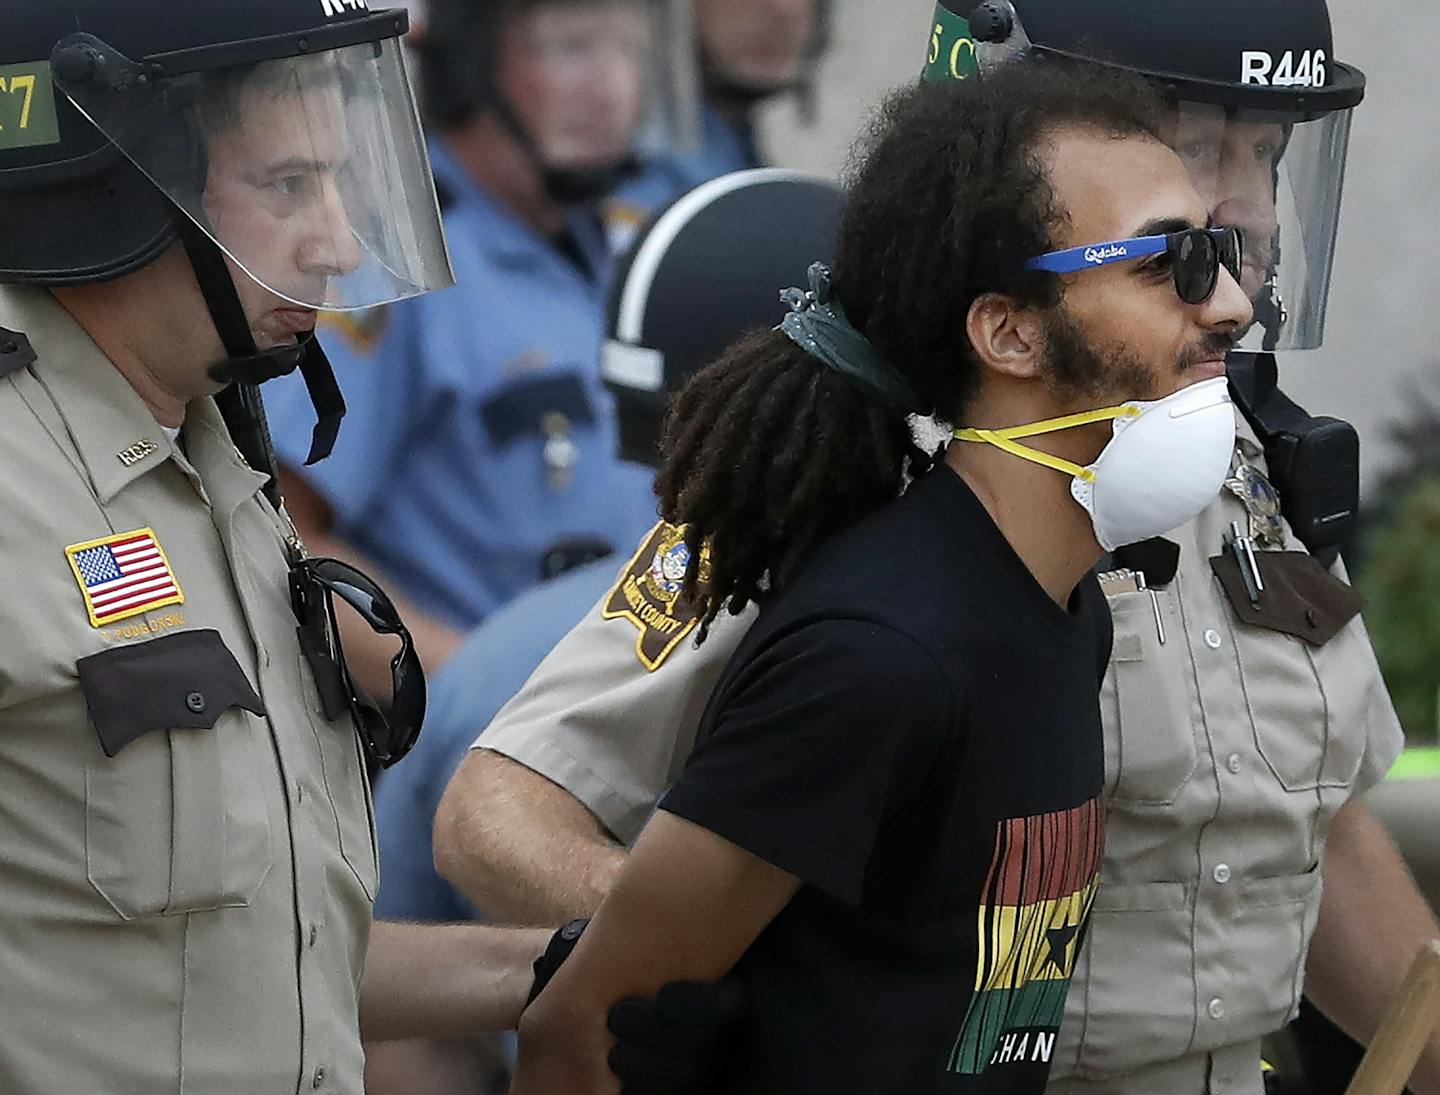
1076	367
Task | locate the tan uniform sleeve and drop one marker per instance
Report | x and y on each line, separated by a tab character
611	713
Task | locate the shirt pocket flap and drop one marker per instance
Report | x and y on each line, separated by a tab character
1300	598
1282	890
187	679
518	408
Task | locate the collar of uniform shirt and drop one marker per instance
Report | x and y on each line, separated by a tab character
86	387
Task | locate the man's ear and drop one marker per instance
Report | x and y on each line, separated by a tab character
1007	336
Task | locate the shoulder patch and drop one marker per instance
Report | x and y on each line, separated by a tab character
648	594
361	330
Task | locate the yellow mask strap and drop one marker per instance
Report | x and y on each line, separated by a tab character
1005	439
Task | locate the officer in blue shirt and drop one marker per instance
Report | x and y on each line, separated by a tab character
479	450
749	52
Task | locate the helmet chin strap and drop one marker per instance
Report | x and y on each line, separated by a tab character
246	367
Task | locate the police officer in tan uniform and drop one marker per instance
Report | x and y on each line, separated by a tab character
1244	708
186	850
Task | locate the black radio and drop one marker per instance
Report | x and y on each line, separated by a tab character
1314	462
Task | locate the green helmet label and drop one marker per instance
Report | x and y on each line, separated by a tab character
952	49
27	106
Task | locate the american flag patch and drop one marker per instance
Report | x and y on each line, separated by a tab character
123	575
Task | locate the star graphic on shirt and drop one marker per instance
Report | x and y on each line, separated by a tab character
1060	939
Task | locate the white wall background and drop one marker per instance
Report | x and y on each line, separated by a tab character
1380	348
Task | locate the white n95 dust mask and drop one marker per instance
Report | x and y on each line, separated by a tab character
1166	461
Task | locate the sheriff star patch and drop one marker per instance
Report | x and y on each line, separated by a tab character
123	575
648	594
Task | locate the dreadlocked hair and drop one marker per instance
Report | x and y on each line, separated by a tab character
767	451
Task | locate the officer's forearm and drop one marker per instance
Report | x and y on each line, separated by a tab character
442	980
686	907
1372	923
521	848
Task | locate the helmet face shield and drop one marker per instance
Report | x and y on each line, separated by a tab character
1262	132
309	172
1279	181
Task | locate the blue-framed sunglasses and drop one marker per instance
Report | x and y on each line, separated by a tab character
1195	256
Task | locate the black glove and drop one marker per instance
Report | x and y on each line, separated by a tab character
673	1044
556	951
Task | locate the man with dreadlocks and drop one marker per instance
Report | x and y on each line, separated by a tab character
908	741
1238	738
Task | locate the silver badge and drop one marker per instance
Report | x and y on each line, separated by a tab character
1261	502
559	452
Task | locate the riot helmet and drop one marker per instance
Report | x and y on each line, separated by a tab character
239	115
708	269
1261	119
585	87
277	139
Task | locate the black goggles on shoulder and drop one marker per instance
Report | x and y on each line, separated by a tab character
314	583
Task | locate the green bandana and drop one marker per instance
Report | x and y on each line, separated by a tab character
817	323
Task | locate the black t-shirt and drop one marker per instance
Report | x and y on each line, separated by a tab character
913	730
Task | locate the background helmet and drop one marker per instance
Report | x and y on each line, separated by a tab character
122	103
278	134
709	269
1262	118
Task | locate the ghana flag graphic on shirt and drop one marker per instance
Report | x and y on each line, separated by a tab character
1032	913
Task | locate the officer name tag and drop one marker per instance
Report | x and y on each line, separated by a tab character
648	594
1115	582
